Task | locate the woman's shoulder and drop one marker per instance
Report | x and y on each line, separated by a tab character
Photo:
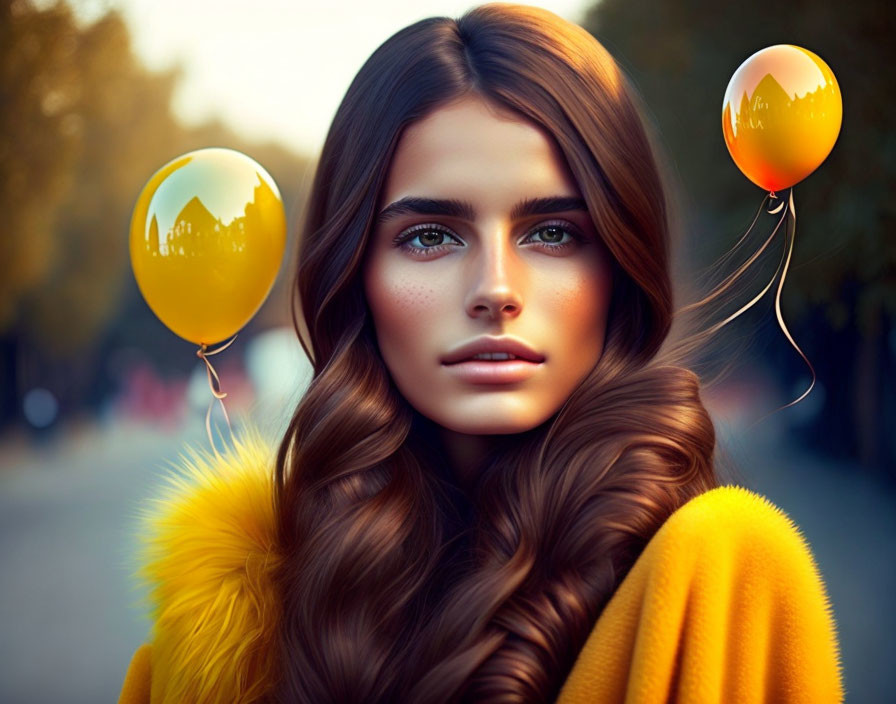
736	522
731	548
725	603
207	550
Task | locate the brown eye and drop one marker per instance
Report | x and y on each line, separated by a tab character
550	236
432	238
554	234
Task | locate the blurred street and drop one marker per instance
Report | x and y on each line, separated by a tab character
68	606
68	511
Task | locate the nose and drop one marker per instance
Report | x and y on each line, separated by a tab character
496	291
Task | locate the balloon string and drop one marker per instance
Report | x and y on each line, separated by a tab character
219	395
792	211
721	261
731	278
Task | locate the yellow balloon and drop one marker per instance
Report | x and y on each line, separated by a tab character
781	115
207	238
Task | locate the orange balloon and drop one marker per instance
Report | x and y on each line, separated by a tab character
781	115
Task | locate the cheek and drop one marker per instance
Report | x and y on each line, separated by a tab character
579	307
404	306
582	299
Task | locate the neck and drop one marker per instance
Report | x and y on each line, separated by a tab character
466	455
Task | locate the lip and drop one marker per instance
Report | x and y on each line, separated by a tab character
482	371
511	345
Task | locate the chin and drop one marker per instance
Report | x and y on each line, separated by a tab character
487	422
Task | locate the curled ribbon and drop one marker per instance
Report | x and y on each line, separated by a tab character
204	354
791	209
789	231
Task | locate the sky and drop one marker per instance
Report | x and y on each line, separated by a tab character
270	69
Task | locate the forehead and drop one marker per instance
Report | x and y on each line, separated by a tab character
469	147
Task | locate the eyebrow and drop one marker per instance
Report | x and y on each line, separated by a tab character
414	205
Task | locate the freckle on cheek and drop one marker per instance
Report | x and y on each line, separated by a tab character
572	298
412	298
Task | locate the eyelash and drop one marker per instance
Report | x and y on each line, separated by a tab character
404	238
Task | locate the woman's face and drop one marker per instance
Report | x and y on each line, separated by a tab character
470	263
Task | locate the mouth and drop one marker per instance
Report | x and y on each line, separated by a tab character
493	350
498	358
493	371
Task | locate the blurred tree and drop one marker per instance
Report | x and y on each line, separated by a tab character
84	125
40	140
123	124
681	55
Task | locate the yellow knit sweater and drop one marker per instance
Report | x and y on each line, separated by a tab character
724	605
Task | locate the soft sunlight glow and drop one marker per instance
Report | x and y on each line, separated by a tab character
272	69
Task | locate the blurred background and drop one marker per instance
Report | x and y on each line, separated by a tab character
96	395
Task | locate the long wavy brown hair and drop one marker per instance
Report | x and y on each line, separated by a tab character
396	585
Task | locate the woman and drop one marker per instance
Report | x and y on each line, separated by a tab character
452	530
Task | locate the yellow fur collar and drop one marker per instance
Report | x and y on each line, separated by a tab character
207	549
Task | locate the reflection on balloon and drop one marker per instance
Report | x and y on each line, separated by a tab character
207	238
781	115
